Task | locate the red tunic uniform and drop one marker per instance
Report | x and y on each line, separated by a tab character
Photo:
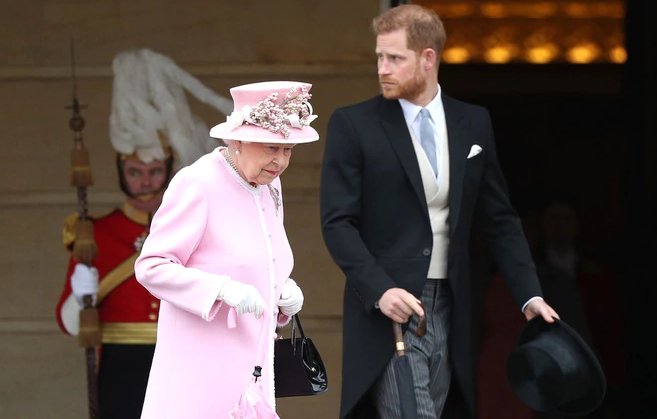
128	313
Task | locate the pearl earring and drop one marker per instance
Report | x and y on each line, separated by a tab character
237	152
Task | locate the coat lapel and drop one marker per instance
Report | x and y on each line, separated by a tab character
394	124
459	144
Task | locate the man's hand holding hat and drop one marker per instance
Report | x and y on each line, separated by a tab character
538	307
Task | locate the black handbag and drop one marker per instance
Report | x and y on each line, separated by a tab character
298	367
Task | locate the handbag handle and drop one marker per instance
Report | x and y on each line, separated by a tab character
296	322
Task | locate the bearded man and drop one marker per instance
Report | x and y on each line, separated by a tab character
405	177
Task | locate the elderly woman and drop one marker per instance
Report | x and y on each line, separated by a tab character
218	258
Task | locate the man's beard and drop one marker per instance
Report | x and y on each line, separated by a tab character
408	90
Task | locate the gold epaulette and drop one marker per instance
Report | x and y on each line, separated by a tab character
68	230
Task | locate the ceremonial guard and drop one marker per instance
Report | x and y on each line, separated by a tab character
154	133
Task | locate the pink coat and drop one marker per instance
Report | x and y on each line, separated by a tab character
211	224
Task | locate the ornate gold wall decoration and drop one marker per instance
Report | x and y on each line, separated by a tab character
534	32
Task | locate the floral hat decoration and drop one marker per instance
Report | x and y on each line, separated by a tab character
270	112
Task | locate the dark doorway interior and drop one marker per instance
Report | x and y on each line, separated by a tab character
561	137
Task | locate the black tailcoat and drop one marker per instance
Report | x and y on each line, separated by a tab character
375	224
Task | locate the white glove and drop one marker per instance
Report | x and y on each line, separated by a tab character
84	281
291	298
244	297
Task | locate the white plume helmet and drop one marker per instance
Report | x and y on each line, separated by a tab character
149	96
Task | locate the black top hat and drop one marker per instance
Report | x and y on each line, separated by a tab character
553	369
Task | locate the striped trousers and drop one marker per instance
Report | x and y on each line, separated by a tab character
428	357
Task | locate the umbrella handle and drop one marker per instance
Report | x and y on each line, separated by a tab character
420	331
399	339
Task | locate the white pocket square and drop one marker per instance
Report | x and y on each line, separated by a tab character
474	151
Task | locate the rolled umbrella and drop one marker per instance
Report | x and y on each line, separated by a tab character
403	372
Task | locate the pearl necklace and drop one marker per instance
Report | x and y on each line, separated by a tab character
229	159
275	194
231	163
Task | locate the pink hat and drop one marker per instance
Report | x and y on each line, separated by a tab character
270	112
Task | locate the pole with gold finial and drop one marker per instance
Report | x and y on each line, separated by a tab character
84	248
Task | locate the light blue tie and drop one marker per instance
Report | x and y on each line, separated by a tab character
428	139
